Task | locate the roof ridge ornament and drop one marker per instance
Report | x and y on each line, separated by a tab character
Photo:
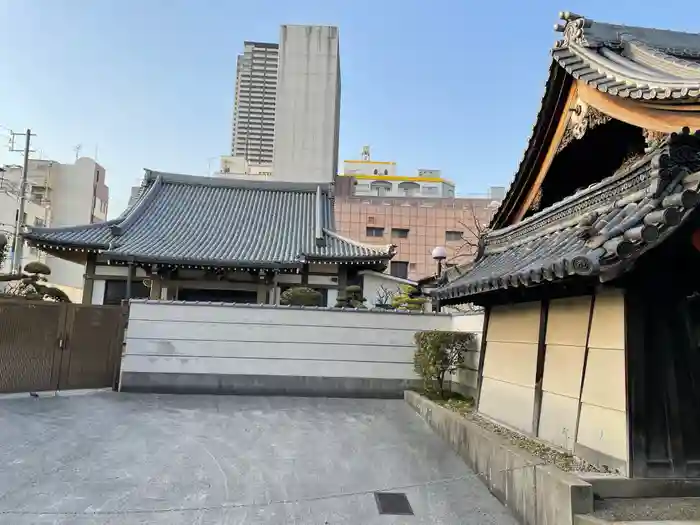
572	28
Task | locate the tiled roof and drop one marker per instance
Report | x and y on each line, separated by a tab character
180	219
626	61
599	231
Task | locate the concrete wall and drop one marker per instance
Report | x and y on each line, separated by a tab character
192	347
508	386
307	119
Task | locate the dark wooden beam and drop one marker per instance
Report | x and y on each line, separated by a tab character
539	371
482	355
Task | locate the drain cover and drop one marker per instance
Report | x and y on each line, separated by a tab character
394	503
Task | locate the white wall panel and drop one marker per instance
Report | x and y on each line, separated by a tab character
179	338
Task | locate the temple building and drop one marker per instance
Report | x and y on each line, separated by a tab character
214	239
590	271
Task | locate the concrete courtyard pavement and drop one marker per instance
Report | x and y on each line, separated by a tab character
109	458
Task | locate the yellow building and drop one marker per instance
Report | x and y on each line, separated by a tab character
380	178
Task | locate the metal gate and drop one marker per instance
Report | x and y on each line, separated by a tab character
54	346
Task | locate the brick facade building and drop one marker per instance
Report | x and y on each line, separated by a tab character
415	225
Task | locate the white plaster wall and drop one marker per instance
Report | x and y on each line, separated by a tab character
167	337
473	323
98	291
371	286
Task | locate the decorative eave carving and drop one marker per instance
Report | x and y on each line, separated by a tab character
653	173
653	138
583	118
537	201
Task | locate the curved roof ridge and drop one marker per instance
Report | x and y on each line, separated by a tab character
138	209
226	182
388	248
625	73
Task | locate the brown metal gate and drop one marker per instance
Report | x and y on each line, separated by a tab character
53	346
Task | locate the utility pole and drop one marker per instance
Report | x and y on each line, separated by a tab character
17	243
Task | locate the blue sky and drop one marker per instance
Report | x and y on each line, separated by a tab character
447	84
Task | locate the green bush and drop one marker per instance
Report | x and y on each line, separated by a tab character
301	296
351	298
439	353
409	299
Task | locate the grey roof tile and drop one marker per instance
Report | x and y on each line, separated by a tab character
217	221
599	231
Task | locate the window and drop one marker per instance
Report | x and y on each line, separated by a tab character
399	269
375	232
411	266
399	233
453	236
115	291
409	189
38	221
370	220
380	187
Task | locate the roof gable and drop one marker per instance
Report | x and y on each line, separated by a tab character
639	67
215	221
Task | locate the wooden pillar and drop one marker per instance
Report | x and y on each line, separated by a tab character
131	273
305	275
482	355
89	278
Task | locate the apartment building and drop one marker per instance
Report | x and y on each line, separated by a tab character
254	103
57	195
287	107
415	224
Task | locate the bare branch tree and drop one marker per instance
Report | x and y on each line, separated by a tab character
472	231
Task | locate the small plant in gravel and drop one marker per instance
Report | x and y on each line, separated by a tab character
548	454
439	353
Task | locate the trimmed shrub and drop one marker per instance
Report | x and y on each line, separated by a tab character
351	298
409	299
439	353
301	296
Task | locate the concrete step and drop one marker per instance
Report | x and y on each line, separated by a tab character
643	511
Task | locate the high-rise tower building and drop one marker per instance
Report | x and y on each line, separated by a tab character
287	106
254	106
308	104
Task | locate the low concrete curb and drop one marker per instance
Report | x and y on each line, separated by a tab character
536	494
